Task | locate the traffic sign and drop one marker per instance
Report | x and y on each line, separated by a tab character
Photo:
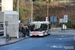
61	20
53	19
66	18
6	23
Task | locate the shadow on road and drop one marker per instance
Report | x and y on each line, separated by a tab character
39	36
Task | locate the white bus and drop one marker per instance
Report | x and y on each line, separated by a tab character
40	28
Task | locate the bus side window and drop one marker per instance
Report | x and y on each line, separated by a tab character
44	27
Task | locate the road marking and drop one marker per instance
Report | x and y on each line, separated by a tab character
55	46
69	47
62	36
65	47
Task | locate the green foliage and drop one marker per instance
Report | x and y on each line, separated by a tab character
24	9
14	8
69	24
73	2
52	10
35	8
37	5
21	14
58	25
15	5
23	20
11	37
39	0
73	22
27	0
37	18
49	1
43	7
73	26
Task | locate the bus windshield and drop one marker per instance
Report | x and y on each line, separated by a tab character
39	27
36	27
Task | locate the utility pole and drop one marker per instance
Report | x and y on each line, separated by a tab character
47	9
31	10
18	6
18	17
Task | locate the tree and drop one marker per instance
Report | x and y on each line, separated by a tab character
49	1
15	5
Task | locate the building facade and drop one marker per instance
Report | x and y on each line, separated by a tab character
6	5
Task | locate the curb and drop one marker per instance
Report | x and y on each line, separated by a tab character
12	42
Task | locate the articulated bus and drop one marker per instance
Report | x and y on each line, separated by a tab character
40	28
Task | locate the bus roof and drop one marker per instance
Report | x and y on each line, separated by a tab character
40	22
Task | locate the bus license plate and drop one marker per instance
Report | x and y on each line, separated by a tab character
35	33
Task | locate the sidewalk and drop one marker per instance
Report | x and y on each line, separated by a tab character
58	31
3	41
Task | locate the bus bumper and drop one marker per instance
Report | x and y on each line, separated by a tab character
41	34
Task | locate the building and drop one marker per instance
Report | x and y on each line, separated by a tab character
6	5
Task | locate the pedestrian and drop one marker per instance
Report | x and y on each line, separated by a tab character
26	31
22	32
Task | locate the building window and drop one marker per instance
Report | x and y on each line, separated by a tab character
0	8
0	1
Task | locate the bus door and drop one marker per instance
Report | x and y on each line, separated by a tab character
45	28
49	28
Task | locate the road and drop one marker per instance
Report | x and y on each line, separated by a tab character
51	42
